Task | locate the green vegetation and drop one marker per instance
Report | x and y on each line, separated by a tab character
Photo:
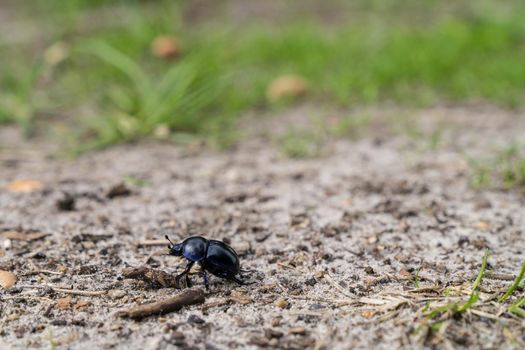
516	307
505	170
108	80
456	309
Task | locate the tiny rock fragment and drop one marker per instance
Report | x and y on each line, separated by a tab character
167	47
259	341
119	190
286	87
372	239
273	333
195	319
82	304
7	279
275	322
66	203
405	274
20	330
297	330
64	303
13	317
24	186
368	314
482	225
282	303
117	294
402	258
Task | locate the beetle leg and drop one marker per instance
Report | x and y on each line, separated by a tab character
185	272
235	279
206	280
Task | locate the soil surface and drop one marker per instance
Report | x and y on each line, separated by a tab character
348	250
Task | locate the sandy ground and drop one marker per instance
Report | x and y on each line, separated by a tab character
338	238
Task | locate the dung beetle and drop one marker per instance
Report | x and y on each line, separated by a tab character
213	256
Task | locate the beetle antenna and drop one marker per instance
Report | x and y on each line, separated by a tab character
168	239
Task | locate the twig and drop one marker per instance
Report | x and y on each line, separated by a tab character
152	243
88	293
188	297
337	286
42	271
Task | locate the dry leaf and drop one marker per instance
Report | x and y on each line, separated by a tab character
64	303
24	186
7	279
286	86
165	46
23	236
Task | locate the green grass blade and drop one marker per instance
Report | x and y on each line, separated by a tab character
121	62
514	285
481	271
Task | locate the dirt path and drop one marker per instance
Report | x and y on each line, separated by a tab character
339	238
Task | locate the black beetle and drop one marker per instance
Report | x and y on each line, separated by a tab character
213	256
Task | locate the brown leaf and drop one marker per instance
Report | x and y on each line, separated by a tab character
24	186
23	236
7	279
64	303
167	47
287	86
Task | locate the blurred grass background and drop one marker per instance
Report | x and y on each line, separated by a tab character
99	72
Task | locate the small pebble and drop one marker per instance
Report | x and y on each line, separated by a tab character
282	303
272	333
315	307
117	294
7	244
195	319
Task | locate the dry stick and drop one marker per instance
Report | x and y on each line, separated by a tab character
152	243
188	297
88	293
36	272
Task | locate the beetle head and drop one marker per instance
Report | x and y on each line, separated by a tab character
175	249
